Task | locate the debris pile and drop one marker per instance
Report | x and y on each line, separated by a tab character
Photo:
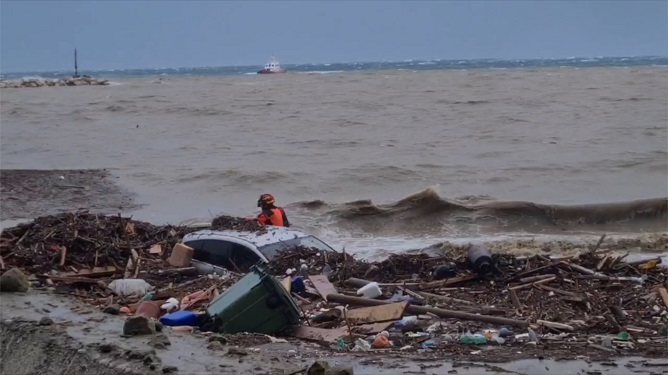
236	223
68	81
594	302
82	254
76	241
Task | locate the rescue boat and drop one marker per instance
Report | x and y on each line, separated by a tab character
272	67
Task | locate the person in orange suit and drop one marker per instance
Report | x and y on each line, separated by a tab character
271	215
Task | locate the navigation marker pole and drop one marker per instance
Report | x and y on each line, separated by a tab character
76	67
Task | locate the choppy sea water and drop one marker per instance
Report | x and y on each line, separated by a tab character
391	156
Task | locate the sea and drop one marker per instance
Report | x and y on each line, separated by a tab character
375	157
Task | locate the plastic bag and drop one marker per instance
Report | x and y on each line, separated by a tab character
129	287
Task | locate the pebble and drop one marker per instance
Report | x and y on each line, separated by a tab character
113	309
45	321
160	342
237	351
215	345
14	281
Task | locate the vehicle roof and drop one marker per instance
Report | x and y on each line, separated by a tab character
259	239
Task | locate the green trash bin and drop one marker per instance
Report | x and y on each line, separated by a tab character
256	303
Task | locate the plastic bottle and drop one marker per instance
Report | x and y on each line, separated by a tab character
340	344
405	322
429	344
170	305
371	290
532	335
475	339
298	284
327	270
606	341
480	259
505	332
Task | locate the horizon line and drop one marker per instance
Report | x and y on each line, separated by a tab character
342	63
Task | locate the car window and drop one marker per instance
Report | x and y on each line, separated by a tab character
243	257
216	252
269	251
195	244
228	255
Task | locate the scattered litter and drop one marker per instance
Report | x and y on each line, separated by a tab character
469	295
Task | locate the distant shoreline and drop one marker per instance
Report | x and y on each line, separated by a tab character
340	68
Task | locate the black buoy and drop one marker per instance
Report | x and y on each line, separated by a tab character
480	259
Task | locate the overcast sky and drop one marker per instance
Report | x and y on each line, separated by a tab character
38	35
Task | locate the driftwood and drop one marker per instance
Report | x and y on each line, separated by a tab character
554	325
340	298
522	286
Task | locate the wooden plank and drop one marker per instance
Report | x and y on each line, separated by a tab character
536	278
447	282
322	285
319	334
95	272
664	296
372	328
73	279
287	283
63	254
444	298
522	286
555	325
382	313
556	290
155	249
448	314
515	300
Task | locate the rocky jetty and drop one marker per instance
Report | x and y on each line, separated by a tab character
67	81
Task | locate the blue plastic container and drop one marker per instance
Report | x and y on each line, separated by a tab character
179	318
298	284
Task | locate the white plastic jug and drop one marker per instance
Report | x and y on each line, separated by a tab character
370	290
128	287
170	304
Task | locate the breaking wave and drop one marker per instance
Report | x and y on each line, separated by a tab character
427	209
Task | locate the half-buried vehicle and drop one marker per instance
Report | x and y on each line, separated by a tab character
217	251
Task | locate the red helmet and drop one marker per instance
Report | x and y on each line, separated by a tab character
266	200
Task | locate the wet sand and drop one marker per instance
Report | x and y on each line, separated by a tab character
83	330
27	194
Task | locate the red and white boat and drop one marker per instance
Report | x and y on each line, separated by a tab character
272	67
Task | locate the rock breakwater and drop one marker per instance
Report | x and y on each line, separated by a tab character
67	81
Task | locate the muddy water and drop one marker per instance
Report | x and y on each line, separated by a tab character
505	152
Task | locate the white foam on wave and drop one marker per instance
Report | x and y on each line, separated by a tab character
12	223
321	72
372	247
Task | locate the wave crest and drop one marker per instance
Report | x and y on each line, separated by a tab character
426	209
